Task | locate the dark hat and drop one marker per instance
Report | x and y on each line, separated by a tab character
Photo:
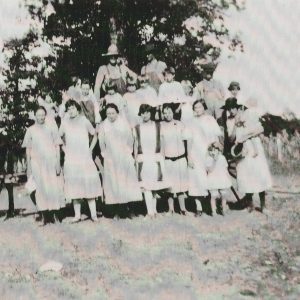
234	84
112	51
145	108
170	70
231	103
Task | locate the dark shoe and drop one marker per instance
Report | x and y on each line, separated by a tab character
9	215
251	207
39	218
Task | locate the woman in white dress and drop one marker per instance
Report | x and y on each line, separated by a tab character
253	175
80	173
120	181
42	143
203	131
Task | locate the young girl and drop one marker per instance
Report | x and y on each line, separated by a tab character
218	178
115	98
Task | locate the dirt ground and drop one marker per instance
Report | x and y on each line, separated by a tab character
239	256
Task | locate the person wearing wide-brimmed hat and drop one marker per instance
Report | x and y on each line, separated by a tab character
171	91
154	68
149	158
253	174
112	71
211	90
133	101
227	121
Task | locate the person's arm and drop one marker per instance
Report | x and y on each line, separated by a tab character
98	82
135	145
57	152
27	142
91	130
198	91
28	162
129	72
189	147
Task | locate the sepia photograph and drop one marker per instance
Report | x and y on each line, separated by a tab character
149	149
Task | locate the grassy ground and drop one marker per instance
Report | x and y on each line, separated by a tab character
239	256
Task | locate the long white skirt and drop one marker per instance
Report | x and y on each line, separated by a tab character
177	173
197	180
120	180
81	179
253	174
49	187
151	172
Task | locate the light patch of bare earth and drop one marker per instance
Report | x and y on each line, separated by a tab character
239	256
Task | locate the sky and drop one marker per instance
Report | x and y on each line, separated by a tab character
267	70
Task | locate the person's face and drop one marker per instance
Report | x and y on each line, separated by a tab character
214	152
40	116
72	111
198	109
150	57
85	89
110	91
113	60
111	114
233	112
207	76
131	88
146	116
169	77
143	83
235	92
168	114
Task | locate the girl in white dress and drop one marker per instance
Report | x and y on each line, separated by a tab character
80	173
115	98
42	144
218	178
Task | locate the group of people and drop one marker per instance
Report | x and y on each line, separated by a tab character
145	137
